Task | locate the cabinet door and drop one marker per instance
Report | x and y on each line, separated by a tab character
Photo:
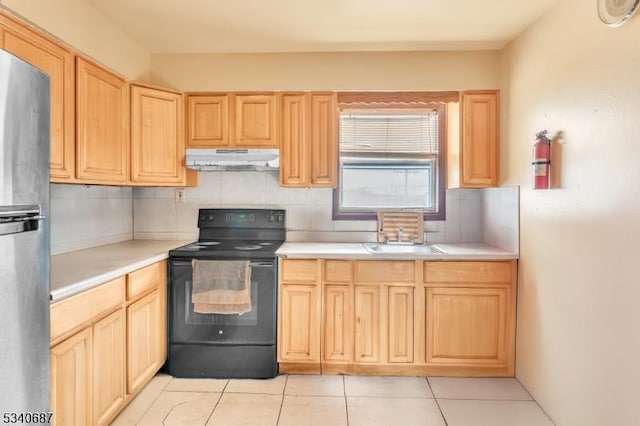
299	327
208	121
57	62
108	367
466	326
368	321
71	380
400	320
294	153
102	105
157	136
479	153
324	140
255	121
337	323
143	341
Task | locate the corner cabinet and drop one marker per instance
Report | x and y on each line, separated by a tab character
309	140
106	344
157	137
102	105
58	62
397	317
479	153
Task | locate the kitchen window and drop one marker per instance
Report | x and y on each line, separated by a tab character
391	155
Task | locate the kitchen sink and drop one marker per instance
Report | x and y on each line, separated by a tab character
418	249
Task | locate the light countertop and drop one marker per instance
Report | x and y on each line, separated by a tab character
77	271
81	270
462	251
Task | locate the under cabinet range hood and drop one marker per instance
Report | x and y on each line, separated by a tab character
208	160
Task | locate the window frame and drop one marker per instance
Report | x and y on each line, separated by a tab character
394	100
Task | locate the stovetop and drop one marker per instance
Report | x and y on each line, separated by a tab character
241	249
236	234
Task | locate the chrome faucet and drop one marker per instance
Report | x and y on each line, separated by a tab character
400	231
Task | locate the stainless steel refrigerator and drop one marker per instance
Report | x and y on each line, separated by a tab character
24	237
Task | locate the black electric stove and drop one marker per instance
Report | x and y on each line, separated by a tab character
227	345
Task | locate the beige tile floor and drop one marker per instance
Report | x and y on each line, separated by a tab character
292	400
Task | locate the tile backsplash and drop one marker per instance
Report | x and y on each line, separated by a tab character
84	216
157	214
501	218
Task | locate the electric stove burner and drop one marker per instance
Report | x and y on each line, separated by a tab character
249	247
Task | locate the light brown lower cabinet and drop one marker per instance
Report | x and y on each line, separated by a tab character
106	347
400	324
71	380
337	320
143	341
368	323
108	367
299	316
447	318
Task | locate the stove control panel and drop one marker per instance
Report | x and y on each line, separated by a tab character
276	216
241	218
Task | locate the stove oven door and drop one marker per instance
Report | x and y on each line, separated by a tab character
256	327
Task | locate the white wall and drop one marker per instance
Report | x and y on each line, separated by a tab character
84	216
578	344
158	215
82	26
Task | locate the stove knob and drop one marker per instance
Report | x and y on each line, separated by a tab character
280	218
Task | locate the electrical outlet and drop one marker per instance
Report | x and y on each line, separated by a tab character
180	195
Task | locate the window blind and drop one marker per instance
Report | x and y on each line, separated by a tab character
389	132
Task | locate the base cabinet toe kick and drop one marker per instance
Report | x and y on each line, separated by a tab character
397	317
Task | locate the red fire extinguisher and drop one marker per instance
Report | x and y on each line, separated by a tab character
541	161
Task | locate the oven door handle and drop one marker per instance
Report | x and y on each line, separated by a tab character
261	264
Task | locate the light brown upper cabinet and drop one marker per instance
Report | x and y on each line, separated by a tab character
309	141
58	63
219	120
208	120
479	161
294	134
256	124
102	105
157	136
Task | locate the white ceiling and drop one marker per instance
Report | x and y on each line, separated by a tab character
199	26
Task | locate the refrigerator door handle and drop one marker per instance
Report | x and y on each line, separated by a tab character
17	219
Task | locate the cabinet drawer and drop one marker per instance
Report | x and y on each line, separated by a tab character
385	271
338	271
143	280
69	314
299	270
467	272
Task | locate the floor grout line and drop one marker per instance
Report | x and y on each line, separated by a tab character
444	419
217	402
346	400
152	402
284	389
